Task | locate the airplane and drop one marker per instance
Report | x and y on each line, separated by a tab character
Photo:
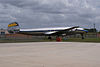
57	31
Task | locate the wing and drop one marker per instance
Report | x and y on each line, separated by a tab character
61	31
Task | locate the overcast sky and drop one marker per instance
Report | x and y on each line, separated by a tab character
50	13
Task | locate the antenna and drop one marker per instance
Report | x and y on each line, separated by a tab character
94	26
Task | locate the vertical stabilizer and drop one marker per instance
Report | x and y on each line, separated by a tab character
13	27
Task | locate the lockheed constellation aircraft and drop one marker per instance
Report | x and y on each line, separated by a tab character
57	31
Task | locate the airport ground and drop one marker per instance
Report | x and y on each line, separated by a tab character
16	38
43	39
50	54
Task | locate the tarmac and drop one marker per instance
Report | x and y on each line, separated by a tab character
50	54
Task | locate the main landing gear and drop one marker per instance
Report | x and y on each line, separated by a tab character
50	38
82	35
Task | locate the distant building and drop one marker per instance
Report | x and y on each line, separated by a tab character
3	33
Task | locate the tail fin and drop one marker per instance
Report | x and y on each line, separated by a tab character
13	27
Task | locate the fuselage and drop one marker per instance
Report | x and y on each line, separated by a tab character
45	31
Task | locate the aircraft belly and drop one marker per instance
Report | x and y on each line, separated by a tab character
33	33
